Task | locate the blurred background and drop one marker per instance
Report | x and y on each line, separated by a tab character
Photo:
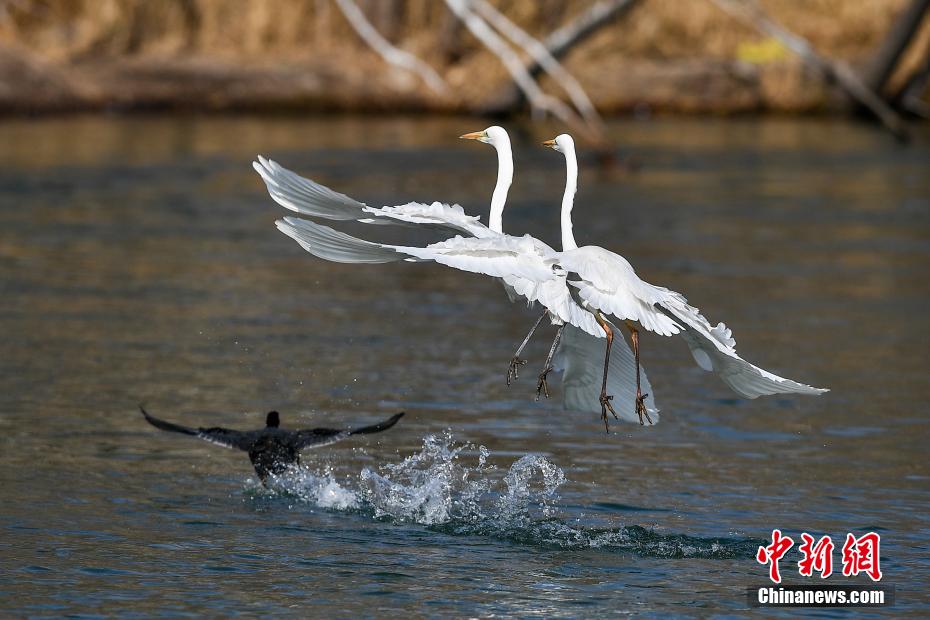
699	56
772	163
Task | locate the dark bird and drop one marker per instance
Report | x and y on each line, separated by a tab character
271	449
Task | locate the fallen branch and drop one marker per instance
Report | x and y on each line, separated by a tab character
837	72
388	52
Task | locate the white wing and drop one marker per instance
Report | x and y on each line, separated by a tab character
525	278
338	247
495	256
500	256
554	295
607	282
308	197
519	261
581	357
714	350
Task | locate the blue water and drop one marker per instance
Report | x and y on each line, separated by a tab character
139	262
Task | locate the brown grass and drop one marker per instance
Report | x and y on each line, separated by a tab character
674	54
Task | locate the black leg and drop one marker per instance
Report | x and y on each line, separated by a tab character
516	361
542	386
605	398
640	397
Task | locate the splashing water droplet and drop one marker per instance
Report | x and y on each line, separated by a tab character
454	489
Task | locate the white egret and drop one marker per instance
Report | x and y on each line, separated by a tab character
553	290
516	261
519	260
310	198
607	285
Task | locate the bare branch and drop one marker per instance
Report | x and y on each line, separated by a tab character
560	41
835	71
908	96
899	36
584	25
388	52
497	46
544	59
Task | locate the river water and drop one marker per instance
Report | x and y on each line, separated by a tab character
139	262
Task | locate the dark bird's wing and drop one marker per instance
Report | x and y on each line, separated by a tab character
381	426
227	438
220	436
318	437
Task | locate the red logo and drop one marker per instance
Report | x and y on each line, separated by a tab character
817	557
774	552
860	555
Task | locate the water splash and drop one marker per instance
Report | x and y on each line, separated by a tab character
429	487
453	489
320	490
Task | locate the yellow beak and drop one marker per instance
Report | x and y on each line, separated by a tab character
475	135
550	143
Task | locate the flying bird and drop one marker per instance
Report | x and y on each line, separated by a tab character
526	277
272	450
606	284
519	262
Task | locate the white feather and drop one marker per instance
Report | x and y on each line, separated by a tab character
526	266
608	283
714	349
308	197
519	261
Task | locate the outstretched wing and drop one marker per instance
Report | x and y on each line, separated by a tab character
524	263
501	256
335	246
714	350
318	437
220	436
379	427
308	197
498	256
607	282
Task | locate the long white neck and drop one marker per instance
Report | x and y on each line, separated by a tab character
568	199
504	179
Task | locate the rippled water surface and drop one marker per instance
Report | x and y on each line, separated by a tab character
139	262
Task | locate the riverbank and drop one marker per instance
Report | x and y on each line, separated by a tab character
664	56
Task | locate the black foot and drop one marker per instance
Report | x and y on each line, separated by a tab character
605	405
512	374
542	386
641	408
